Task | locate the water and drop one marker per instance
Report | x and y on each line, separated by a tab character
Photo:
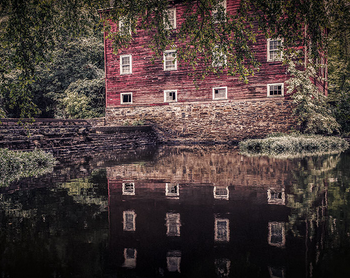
179	212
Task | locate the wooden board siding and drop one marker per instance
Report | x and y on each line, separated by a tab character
148	79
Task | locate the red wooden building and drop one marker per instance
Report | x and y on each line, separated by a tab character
132	79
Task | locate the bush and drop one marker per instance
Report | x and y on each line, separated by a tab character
16	165
293	145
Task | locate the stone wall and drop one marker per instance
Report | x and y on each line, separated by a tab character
64	137
219	121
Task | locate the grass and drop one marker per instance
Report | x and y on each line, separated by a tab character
293	145
16	165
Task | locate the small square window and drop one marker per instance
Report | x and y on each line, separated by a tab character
170	62
125	98
219	12
274	90
128	188
170	95
171	18
221	192
274	51
172	190
276	196
220	93
125	64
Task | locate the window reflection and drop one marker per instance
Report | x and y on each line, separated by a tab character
129	257
129	221
172	190
128	188
173	260
222	267
276	196
221	192
277	234
276	272
173	224
222	230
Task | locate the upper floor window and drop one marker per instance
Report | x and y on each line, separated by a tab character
277	235
171	24
126	98
170	62
222	230
125	64
129	221
275	89
219	12
124	28
274	51
220	93
219	58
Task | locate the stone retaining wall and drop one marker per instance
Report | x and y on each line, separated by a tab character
219	121
64	137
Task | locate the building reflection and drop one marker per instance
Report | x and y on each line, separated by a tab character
202	228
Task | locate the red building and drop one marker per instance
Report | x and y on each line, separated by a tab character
133	79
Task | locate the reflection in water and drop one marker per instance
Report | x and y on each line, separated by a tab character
188	212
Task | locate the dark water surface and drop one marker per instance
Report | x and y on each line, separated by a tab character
179	212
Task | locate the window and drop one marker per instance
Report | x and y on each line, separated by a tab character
173	224
219	59
128	188
170	95
276	234
125	98
274	90
171	18
276	272
276	197
222	267
173	259
129	224
130	257
170	62
221	192
219	12
220	93
222	230
124	28
274	51
125	64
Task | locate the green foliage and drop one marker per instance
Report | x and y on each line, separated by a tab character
313	112
16	165
289	146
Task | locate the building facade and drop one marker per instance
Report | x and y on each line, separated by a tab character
161	91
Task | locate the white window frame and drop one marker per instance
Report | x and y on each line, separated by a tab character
130	261
218	55
125	226
173	259
216	88
168	187
221	197
215	11
172	26
125	192
169	91
172	221
121	98
281	226
271	196
269	58
275	84
218	237
121	25
121	64
174	63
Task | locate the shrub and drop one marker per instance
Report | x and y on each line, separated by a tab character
16	165
293	145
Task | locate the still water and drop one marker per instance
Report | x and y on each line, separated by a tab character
179	212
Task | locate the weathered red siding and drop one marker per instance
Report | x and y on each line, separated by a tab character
148	79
